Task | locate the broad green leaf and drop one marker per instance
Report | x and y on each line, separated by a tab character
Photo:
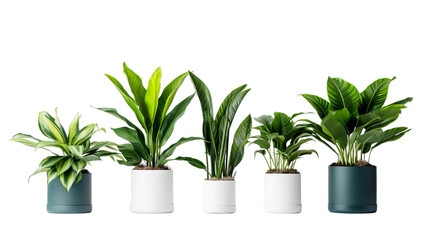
130	155
170	150
131	136
92	157
385	117
136	86
370	137
194	162
342	115
227	102
25	139
262	143
375	95
319	104
130	101
171	118
74	127
392	135
64	165
295	155
152	93
296	146
400	102
49	128
68	179
282	123
343	94
203	94
261	151
241	137
266	121
336	130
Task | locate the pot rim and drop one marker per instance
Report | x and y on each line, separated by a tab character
353	166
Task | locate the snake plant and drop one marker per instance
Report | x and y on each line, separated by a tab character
75	148
216	131
281	139
157	123
352	122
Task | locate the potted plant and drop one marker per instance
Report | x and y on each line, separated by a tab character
219	185
280	139
69	183
352	126
151	179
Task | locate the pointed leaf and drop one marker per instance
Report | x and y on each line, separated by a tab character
74	127
336	130
375	95
64	165
342	94
130	155
392	135
203	94
49	128
52	174
319	104
24	139
68	179
152	93
131	136
170	150
241	137
136	86
77	166
194	162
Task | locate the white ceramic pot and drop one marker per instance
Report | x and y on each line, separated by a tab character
152	191
282	193
219	196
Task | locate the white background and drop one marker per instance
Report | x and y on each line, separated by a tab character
54	53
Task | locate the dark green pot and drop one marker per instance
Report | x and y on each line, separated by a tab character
352	189
77	200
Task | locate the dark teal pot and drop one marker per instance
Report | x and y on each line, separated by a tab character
352	189
77	200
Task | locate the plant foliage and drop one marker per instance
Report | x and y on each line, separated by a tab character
216	128
76	148
352	122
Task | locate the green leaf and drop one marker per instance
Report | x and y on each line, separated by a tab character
77	166
266	121
170	150
296	146
261	151
203	94
49	128
228	104
130	101
282	123
76	151
319	104
171	119
130	155
336	130
295	155
342	94
152	93
64	165
342	116
51	161
400	102
68	179
83	134
392	135
24	139
52	174
58	123
136	86
74	127
262	143
97	145
39	170
131	136
370	137
385	117
375	95
194	162
241	137
44	144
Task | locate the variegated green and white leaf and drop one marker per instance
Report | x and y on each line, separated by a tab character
25	139
68	179
83	134
38	171
64	165
52	174
74	127
77	166
76	151
49	128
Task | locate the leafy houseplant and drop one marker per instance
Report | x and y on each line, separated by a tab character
352	126
69	184
220	165
280	138
145	143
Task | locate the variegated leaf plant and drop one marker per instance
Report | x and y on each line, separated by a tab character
76	149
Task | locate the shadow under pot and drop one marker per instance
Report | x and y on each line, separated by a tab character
77	200
282	192
151	191
219	196
352	189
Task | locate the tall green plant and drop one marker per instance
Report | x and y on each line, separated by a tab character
216	129
157	123
352	122
76	149
280	138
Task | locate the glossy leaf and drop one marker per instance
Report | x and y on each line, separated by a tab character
131	136
130	155
319	104
336	130
152	94
49	128
240	139
136	86
392	135
193	161
170	150
375	95
342	94
203	94
74	127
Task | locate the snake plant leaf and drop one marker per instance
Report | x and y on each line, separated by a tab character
374	96
131	136
136	85
343	94
49	128
171	118
392	135
165	100
193	161
152	94
170	150
203	94
319	104
240	140
68	179
130	155
74	127
84	134
130	101
64	165
335	129
25	139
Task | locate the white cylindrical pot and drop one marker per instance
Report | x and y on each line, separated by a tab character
219	196
282	193
152	191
